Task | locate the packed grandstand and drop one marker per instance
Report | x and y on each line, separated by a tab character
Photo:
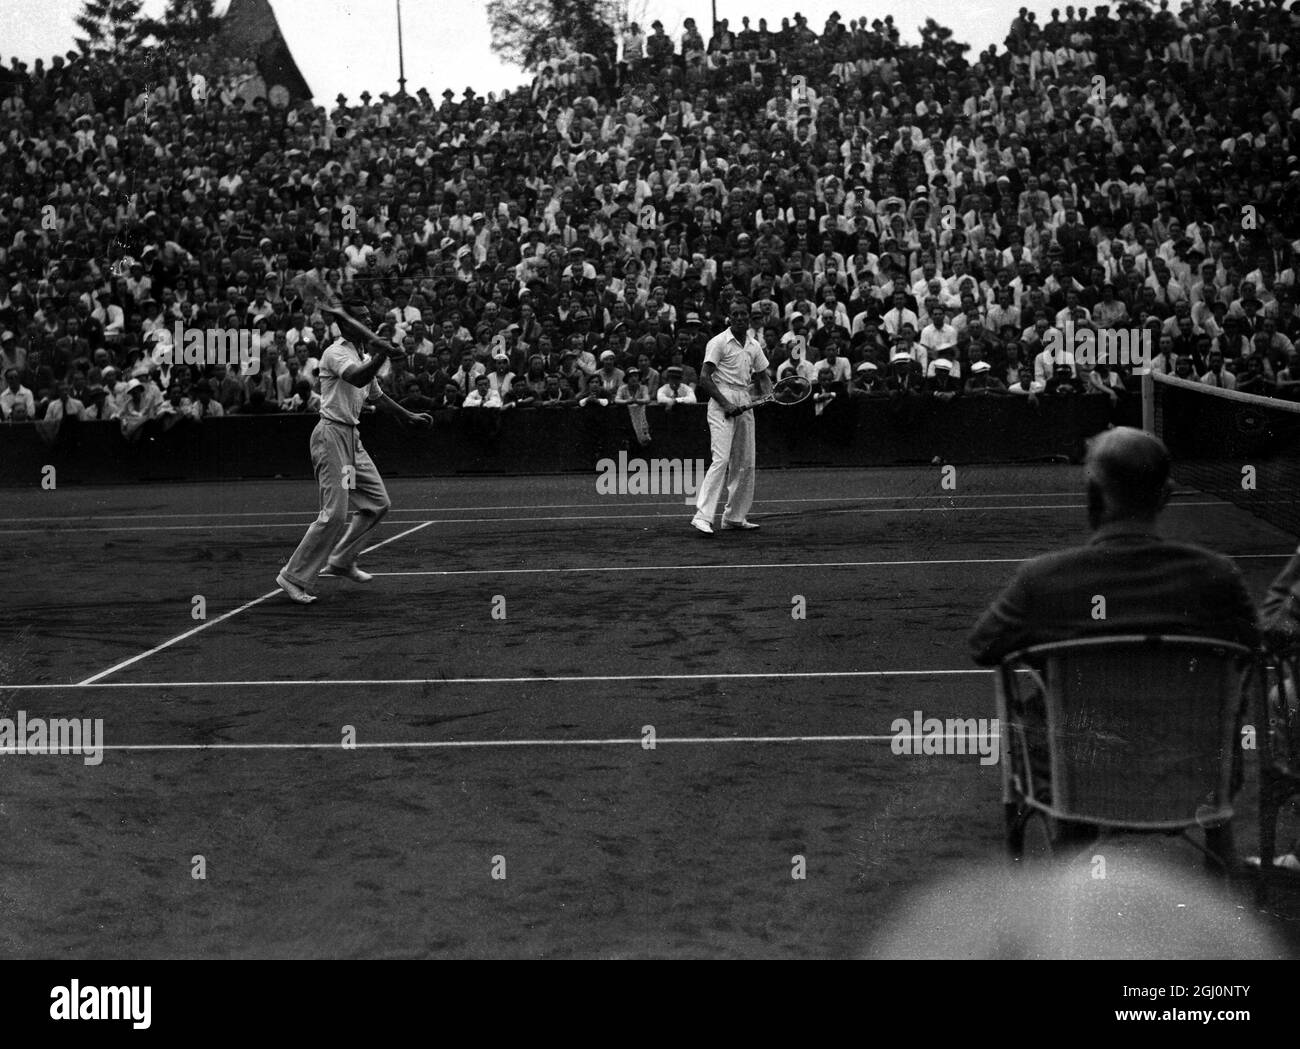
903	220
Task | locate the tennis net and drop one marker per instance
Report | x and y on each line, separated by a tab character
1237	446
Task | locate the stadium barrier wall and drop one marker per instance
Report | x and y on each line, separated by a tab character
857	432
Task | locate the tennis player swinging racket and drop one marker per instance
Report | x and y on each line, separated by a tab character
733	360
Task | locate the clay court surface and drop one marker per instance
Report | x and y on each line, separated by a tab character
522	738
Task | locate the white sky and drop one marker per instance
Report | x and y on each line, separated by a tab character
350	47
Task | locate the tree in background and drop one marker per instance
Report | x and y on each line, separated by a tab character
526	32
185	24
111	26
937	39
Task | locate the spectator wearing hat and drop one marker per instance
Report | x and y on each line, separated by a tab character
674	390
867	380
632	390
501	379
136	410
796	338
982	381
610	375
903	378
99	407
941	383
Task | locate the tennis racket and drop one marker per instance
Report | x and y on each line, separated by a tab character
354	329
793	389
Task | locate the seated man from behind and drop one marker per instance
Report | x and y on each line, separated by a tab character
1151	585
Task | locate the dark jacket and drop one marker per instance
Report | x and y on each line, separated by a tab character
1281	608
1149	584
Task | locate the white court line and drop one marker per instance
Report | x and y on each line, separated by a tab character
95	683
94	679
451	744
528	506
736	567
224	616
586	517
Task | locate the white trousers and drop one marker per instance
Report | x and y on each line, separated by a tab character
731	443
332	538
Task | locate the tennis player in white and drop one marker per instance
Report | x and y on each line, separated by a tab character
344	470
733	362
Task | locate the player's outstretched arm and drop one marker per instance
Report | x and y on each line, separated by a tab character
422	420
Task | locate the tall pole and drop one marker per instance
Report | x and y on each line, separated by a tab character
401	60
715	17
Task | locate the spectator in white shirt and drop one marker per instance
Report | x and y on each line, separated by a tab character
1026	385
674	391
64	405
482	396
1216	374
938	334
838	367
899	315
1053	353
204	405
111	317
16	399
631	390
304	401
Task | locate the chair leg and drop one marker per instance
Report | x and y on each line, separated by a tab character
1220	851
1014	818
1046	835
1268	813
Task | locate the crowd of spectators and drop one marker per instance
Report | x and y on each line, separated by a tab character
903	221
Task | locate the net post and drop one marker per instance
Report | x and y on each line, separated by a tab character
1148	402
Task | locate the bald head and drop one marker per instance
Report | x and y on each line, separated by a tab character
1128	475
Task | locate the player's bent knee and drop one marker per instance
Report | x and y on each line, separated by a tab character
333	517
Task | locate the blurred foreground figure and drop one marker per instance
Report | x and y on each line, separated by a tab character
1141	908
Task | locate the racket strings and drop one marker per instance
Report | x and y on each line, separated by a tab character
791	390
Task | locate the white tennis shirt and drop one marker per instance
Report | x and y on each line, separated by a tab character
736	362
340	401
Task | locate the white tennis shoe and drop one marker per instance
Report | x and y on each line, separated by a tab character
701	525
351	572
746	526
295	592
